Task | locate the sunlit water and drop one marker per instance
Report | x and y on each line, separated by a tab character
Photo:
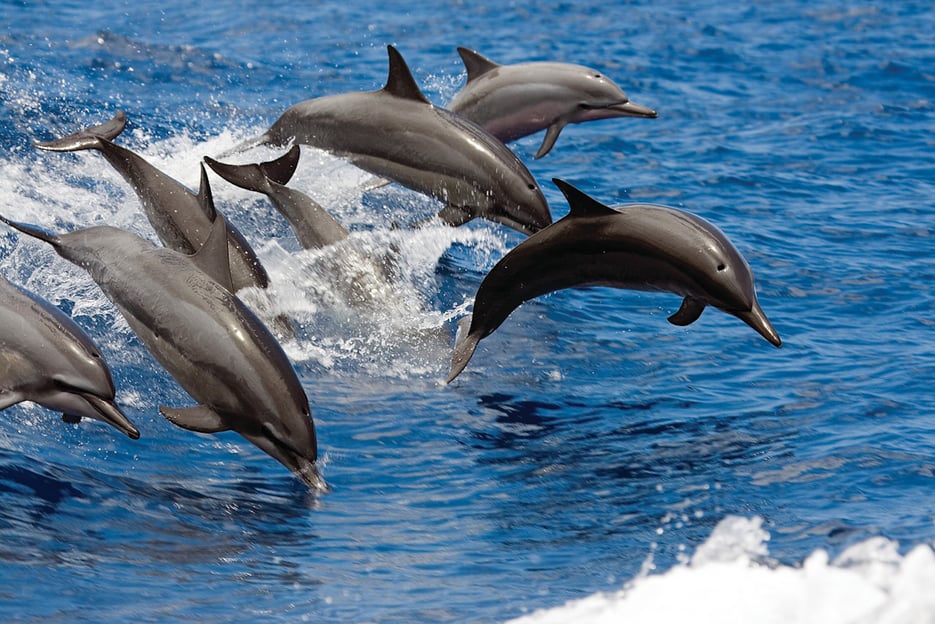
590	448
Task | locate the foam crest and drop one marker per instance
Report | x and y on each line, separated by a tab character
731	579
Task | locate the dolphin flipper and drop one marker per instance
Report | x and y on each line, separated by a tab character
551	136
199	418
688	312
465	344
89	138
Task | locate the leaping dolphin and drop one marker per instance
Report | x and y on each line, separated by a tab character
513	101
177	214
203	335
637	247
361	278
312	224
46	358
397	134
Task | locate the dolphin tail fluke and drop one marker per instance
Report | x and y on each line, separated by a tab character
465	344
256	177
89	138
34	231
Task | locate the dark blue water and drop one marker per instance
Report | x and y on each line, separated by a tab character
587	434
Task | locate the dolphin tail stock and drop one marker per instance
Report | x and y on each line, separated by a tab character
89	138
465	344
34	231
257	176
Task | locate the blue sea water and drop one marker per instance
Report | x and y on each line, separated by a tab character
589	442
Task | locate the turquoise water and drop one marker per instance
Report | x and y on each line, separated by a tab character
587	434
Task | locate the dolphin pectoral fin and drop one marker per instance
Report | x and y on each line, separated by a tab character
688	312
465	344
551	135
214	258
200	418
71	419
89	138
455	215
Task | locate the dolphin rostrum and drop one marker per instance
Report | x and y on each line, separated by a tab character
637	247
183	310
46	358
513	101
397	134
176	214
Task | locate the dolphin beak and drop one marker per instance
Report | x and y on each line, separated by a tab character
297	463
631	109
108	412
756	319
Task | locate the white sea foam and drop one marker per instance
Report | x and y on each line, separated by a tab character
730	579
397	333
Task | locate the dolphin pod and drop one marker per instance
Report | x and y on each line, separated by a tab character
637	247
397	134
180	300
513	101
46	358
182	309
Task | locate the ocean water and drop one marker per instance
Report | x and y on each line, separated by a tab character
593	463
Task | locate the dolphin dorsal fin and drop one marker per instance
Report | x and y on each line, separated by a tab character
205	198
400	82
582	205
214	258
476	64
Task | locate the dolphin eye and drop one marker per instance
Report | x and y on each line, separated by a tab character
721	267
597	75
532	187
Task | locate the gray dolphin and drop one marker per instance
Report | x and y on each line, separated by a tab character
312	224
513	101
176	214
360	278
638	247
46	358
203	335
397	134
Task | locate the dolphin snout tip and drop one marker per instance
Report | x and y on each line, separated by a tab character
756	319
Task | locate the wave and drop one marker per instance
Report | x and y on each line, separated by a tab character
731	578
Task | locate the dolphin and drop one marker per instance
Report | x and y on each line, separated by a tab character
638	247
397	134
46	358
360	277
176	214
513	101
312	224
183	310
